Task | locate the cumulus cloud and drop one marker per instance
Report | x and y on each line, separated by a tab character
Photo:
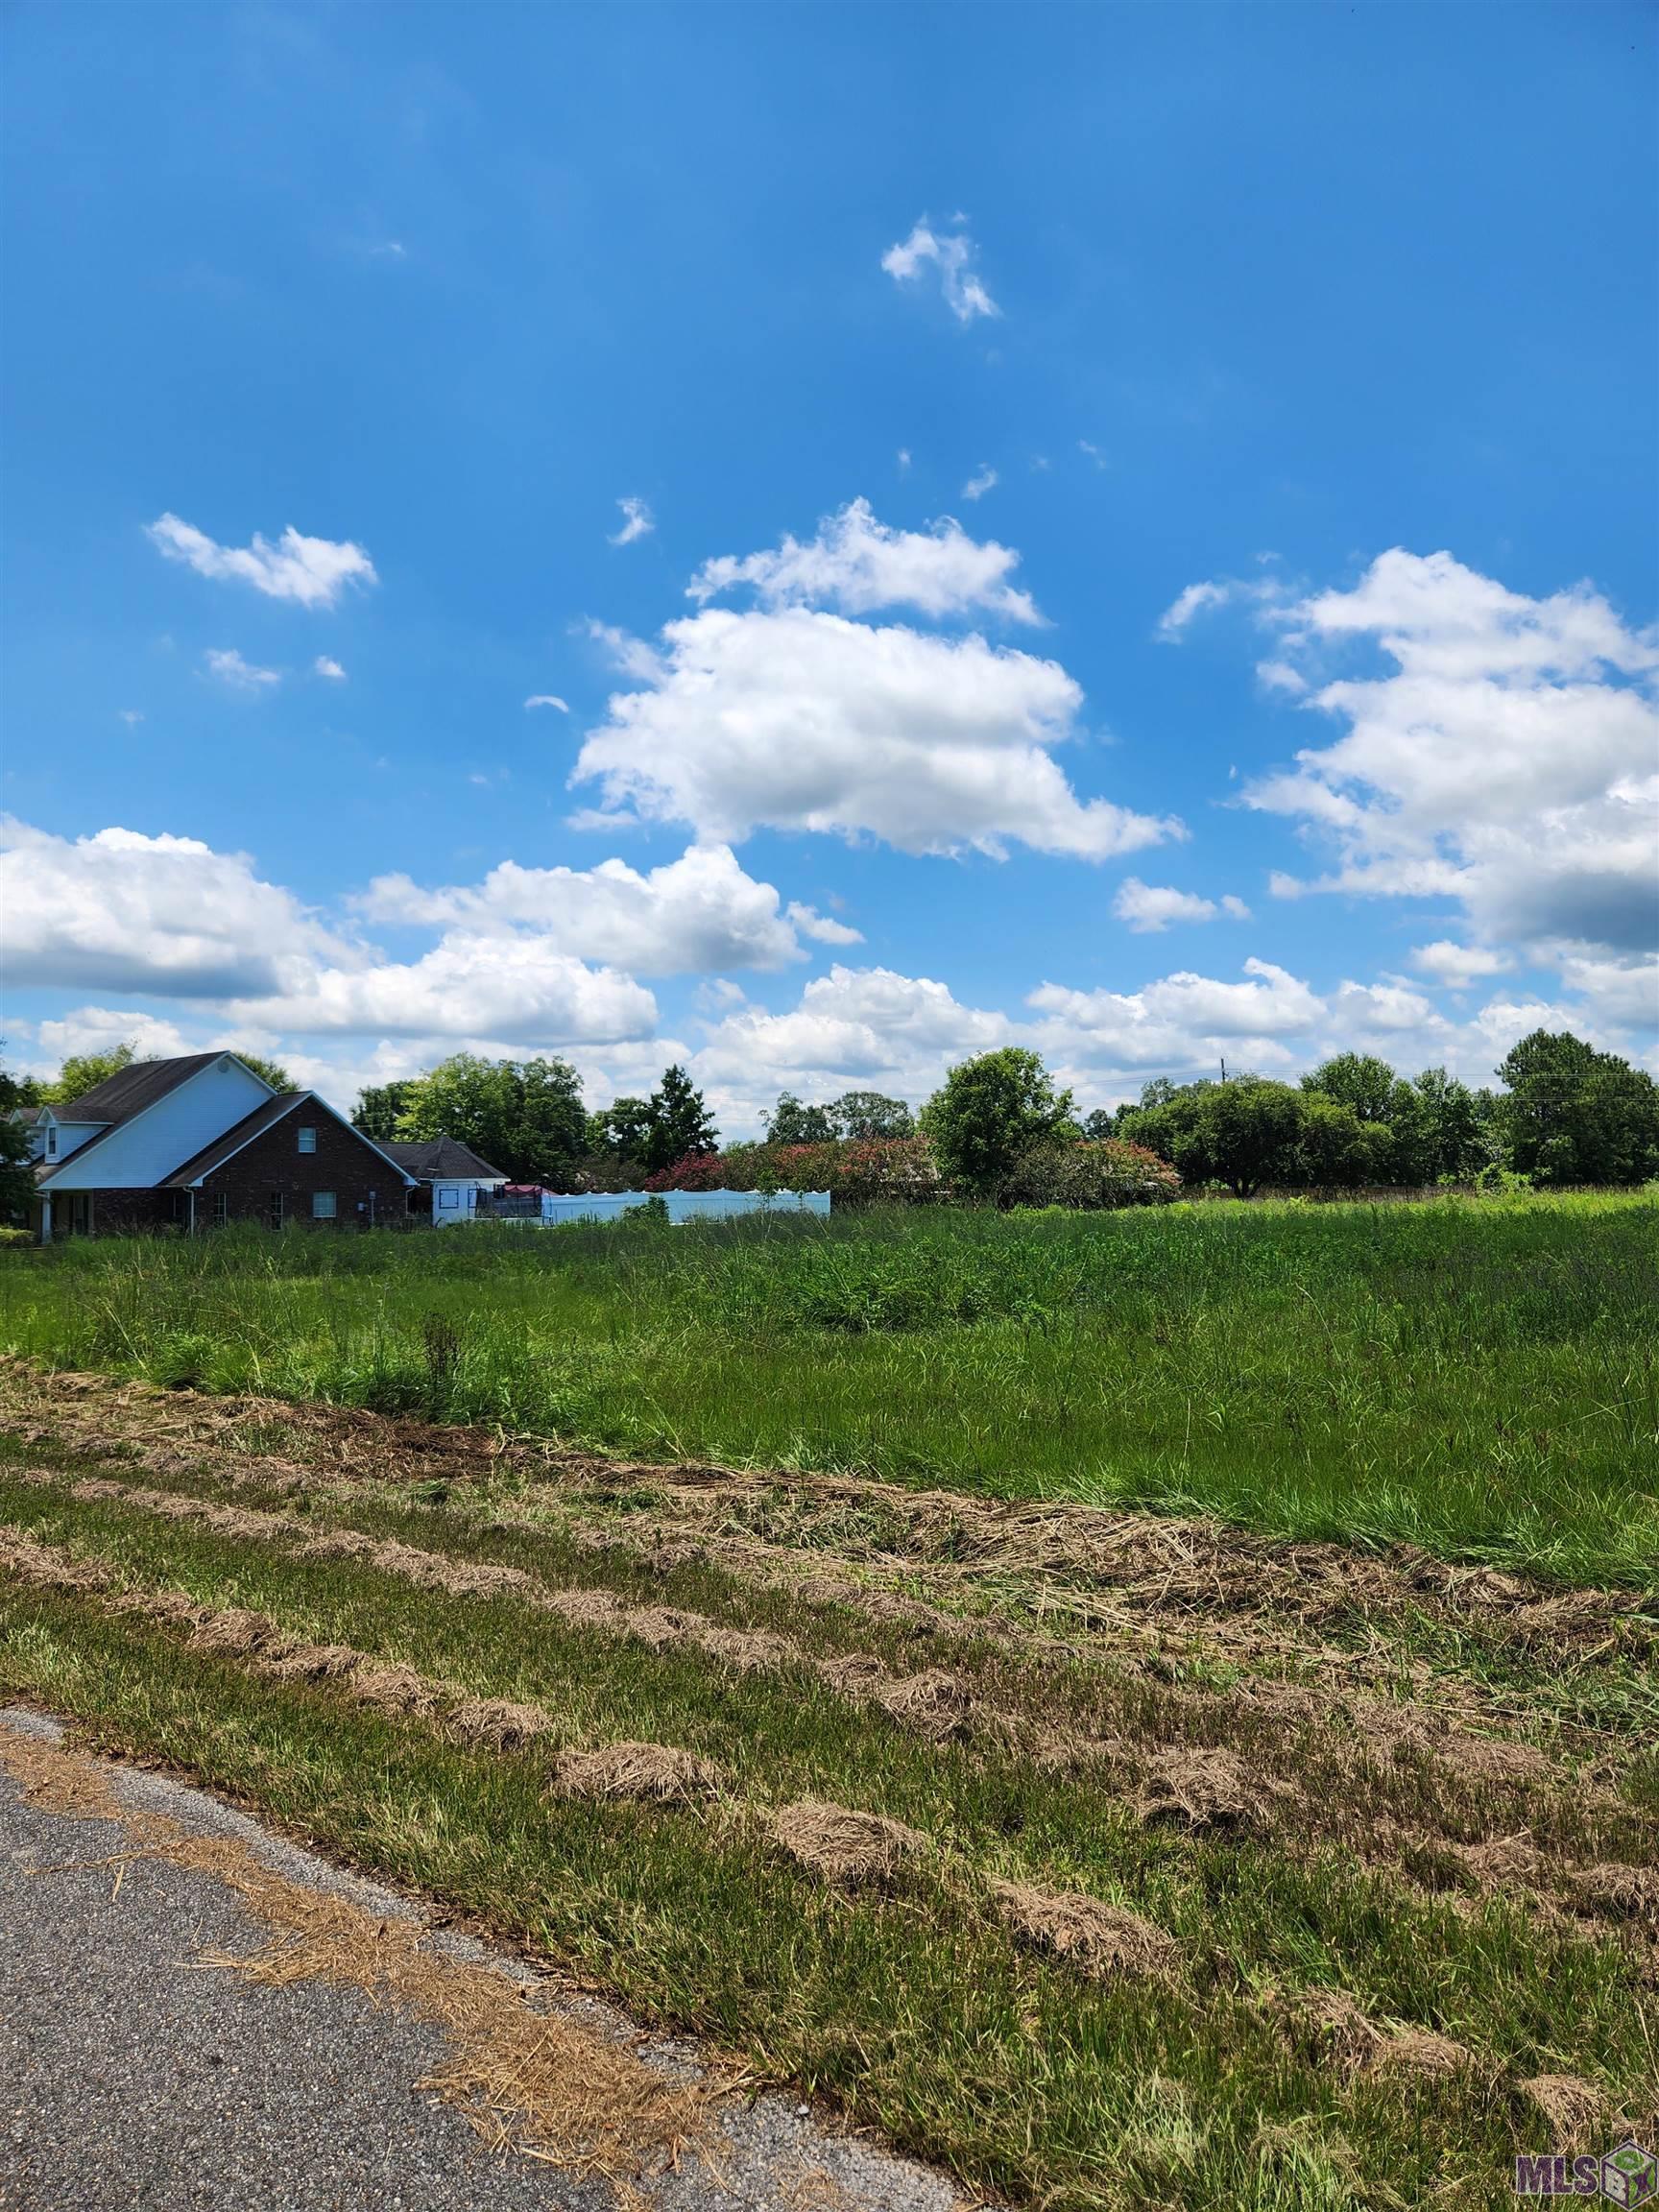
230	667
693	916
120	911
638	521
869	1027
1179	1021
101	1028
1457	966
1503	756
1151	906
795	719
983	479
518	988
546	699
952	253
311	571
858	565
327	667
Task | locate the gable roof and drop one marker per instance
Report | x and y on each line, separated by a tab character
436	1158
122	1098
266	1117
119	1096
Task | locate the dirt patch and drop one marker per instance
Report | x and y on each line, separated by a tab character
647	1773
527	2079
1101	1940
850	1849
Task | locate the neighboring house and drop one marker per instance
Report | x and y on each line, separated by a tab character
449	1178
201	1141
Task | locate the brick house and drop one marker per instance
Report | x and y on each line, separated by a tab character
199	1141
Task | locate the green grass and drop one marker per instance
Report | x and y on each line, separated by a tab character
1480	1377
917	2012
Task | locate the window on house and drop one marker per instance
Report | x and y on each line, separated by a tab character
221	1210
307	1139
279	1205
51	1144
322	1205
448	1195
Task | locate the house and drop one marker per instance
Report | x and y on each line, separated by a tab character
449	1178
201	1141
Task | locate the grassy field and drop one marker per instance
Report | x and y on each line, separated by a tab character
1289	1880
1478	1377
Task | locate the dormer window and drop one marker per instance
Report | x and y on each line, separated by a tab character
51	1141
307	1139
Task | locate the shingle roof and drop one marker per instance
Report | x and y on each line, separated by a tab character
118	1098
437	1157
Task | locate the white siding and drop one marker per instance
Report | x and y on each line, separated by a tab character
454	1200
145	1150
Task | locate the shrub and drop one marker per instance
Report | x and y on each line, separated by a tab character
1088	1175
856	1170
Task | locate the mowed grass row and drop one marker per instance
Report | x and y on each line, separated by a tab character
1477	1376
916	2010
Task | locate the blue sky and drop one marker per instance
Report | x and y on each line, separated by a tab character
1149	397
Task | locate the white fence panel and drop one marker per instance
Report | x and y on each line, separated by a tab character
683	1205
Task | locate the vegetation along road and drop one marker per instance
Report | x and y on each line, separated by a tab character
772	1634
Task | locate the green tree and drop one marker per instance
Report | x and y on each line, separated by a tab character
678	1123
1570	1114
866	1114
380	1108
524	1116
1242	1134
789	1123
617	1133
1356	1080
83	1072
17	1173
1336	1148
992	1110
1442	1129
270	1071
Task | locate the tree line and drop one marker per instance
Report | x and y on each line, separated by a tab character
1000	1130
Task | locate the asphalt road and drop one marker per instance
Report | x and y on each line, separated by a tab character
132	2081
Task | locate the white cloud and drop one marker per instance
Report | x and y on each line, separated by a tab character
329	668
864	1027
120	911
1503	757
311	571
952	253
1084	445
1150	906
101	1028
241	675
514	987
695	915
903	460
858	565
1196	599
638	521
983	479
799	720
131	715
546	699
1456	966
1182	1021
